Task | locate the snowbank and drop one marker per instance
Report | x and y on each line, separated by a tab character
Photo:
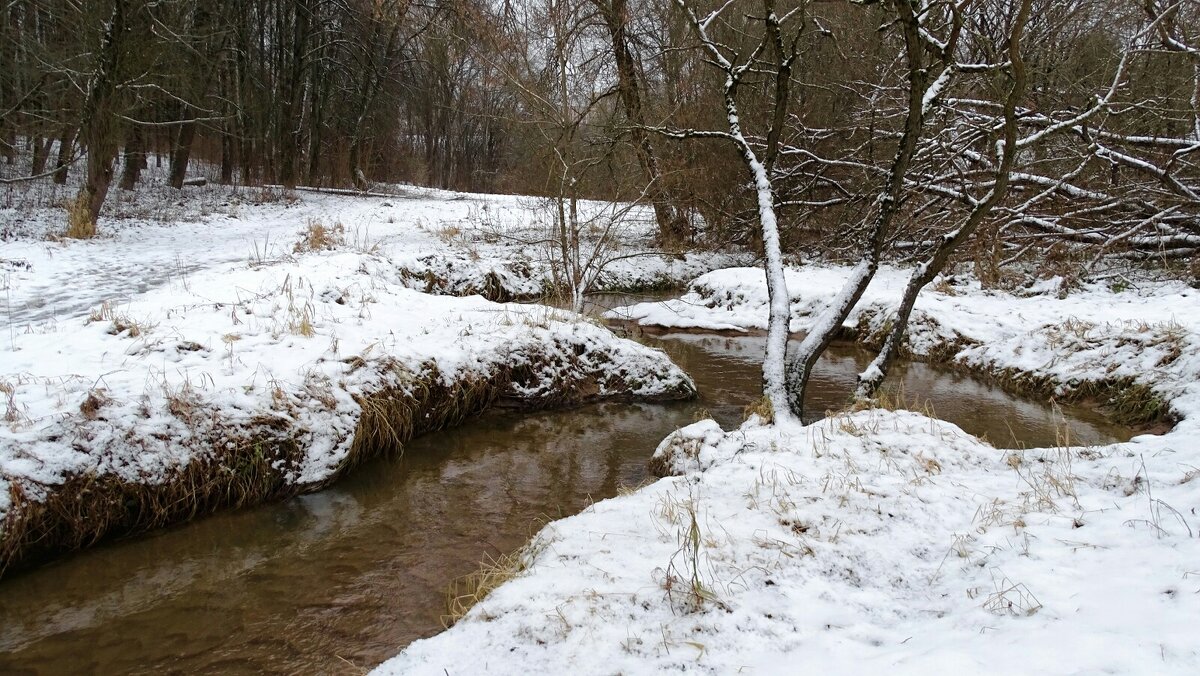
872	542
440	242
254	369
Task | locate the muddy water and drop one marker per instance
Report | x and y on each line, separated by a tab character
340	580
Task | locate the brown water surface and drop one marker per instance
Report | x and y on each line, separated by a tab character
340	580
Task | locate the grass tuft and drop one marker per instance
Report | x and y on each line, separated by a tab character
80	224
761	408
317	237
465	592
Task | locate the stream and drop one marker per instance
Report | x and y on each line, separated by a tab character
338	581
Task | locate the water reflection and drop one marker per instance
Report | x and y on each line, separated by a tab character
727	372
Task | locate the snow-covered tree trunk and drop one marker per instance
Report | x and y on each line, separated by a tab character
784	51
774	364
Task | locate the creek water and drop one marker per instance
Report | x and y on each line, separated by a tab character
338	581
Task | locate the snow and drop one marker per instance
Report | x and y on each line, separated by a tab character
872	542
159	237
126	355
881	541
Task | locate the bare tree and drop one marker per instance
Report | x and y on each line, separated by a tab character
673	226
100	120
773	56
872	378
930	63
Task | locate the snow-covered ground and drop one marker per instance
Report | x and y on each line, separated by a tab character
880	541
447	242
876	542
188	325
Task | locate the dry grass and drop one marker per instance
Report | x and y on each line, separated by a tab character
465	592
449	233
624	489
944	287
761	408
896	398
688	579
1011	598
269	195
121	324
302	324
317	237
13	415
103	313
80	224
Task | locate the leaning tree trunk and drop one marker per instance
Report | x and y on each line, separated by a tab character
827	326
870	380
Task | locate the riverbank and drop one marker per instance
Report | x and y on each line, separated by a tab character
347	574
883	540
873	541
1127	349
281	348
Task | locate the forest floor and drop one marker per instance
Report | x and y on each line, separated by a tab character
886	540
223	348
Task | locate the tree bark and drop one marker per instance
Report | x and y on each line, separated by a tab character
66	147
99	129
290	133
41	154
182	153
135	159
673	225
780	304
227	159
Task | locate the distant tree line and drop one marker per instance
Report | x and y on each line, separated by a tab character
877	121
